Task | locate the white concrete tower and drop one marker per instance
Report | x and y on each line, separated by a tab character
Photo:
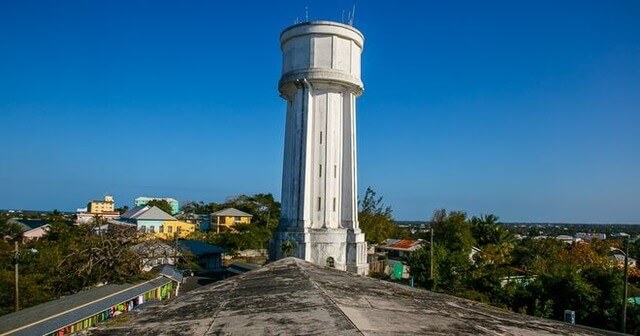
320	82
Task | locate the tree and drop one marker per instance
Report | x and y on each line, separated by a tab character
122	209
419	264
10	229
69	258
375	218
162	204
192	207
486	230
453	231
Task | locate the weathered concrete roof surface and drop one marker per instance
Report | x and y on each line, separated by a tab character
293	297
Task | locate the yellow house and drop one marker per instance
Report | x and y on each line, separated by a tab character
108	205
156	223
225	220
175	228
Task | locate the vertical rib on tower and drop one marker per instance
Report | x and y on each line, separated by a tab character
321	81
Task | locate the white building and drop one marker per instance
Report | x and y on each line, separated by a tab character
320	83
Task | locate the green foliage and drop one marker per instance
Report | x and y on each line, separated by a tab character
288	247
10	230
376	219
419	264
634	249
264	208
487	230
68	259
453	231
546	276
248	236
162	204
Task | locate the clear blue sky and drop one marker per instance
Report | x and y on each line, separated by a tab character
529	110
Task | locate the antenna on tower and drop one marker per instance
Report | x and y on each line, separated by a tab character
352	15
306	14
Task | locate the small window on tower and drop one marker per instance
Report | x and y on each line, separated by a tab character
321	138
334	204
319	203
335	171
320	170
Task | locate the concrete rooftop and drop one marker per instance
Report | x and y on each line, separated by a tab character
294	297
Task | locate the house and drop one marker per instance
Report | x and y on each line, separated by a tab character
201	221
91	218
396	251
100	206
226	219
175	205
152	220
399	249
31	228
83	310
208	256
155	253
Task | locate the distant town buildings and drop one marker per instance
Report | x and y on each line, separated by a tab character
175	205
101	206
227	219
589	236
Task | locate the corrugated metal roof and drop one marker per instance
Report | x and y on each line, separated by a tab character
53	315
404	243
231	212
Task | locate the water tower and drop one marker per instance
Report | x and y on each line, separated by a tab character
320	83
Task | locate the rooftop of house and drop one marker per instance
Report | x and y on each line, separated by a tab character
28	224
53	315
146	212
231	212
402	244
199	248
294	297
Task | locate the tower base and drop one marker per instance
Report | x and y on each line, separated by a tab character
337	248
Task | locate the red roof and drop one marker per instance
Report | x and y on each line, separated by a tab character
404	244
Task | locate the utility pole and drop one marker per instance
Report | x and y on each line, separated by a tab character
431	253
16	257
624	300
